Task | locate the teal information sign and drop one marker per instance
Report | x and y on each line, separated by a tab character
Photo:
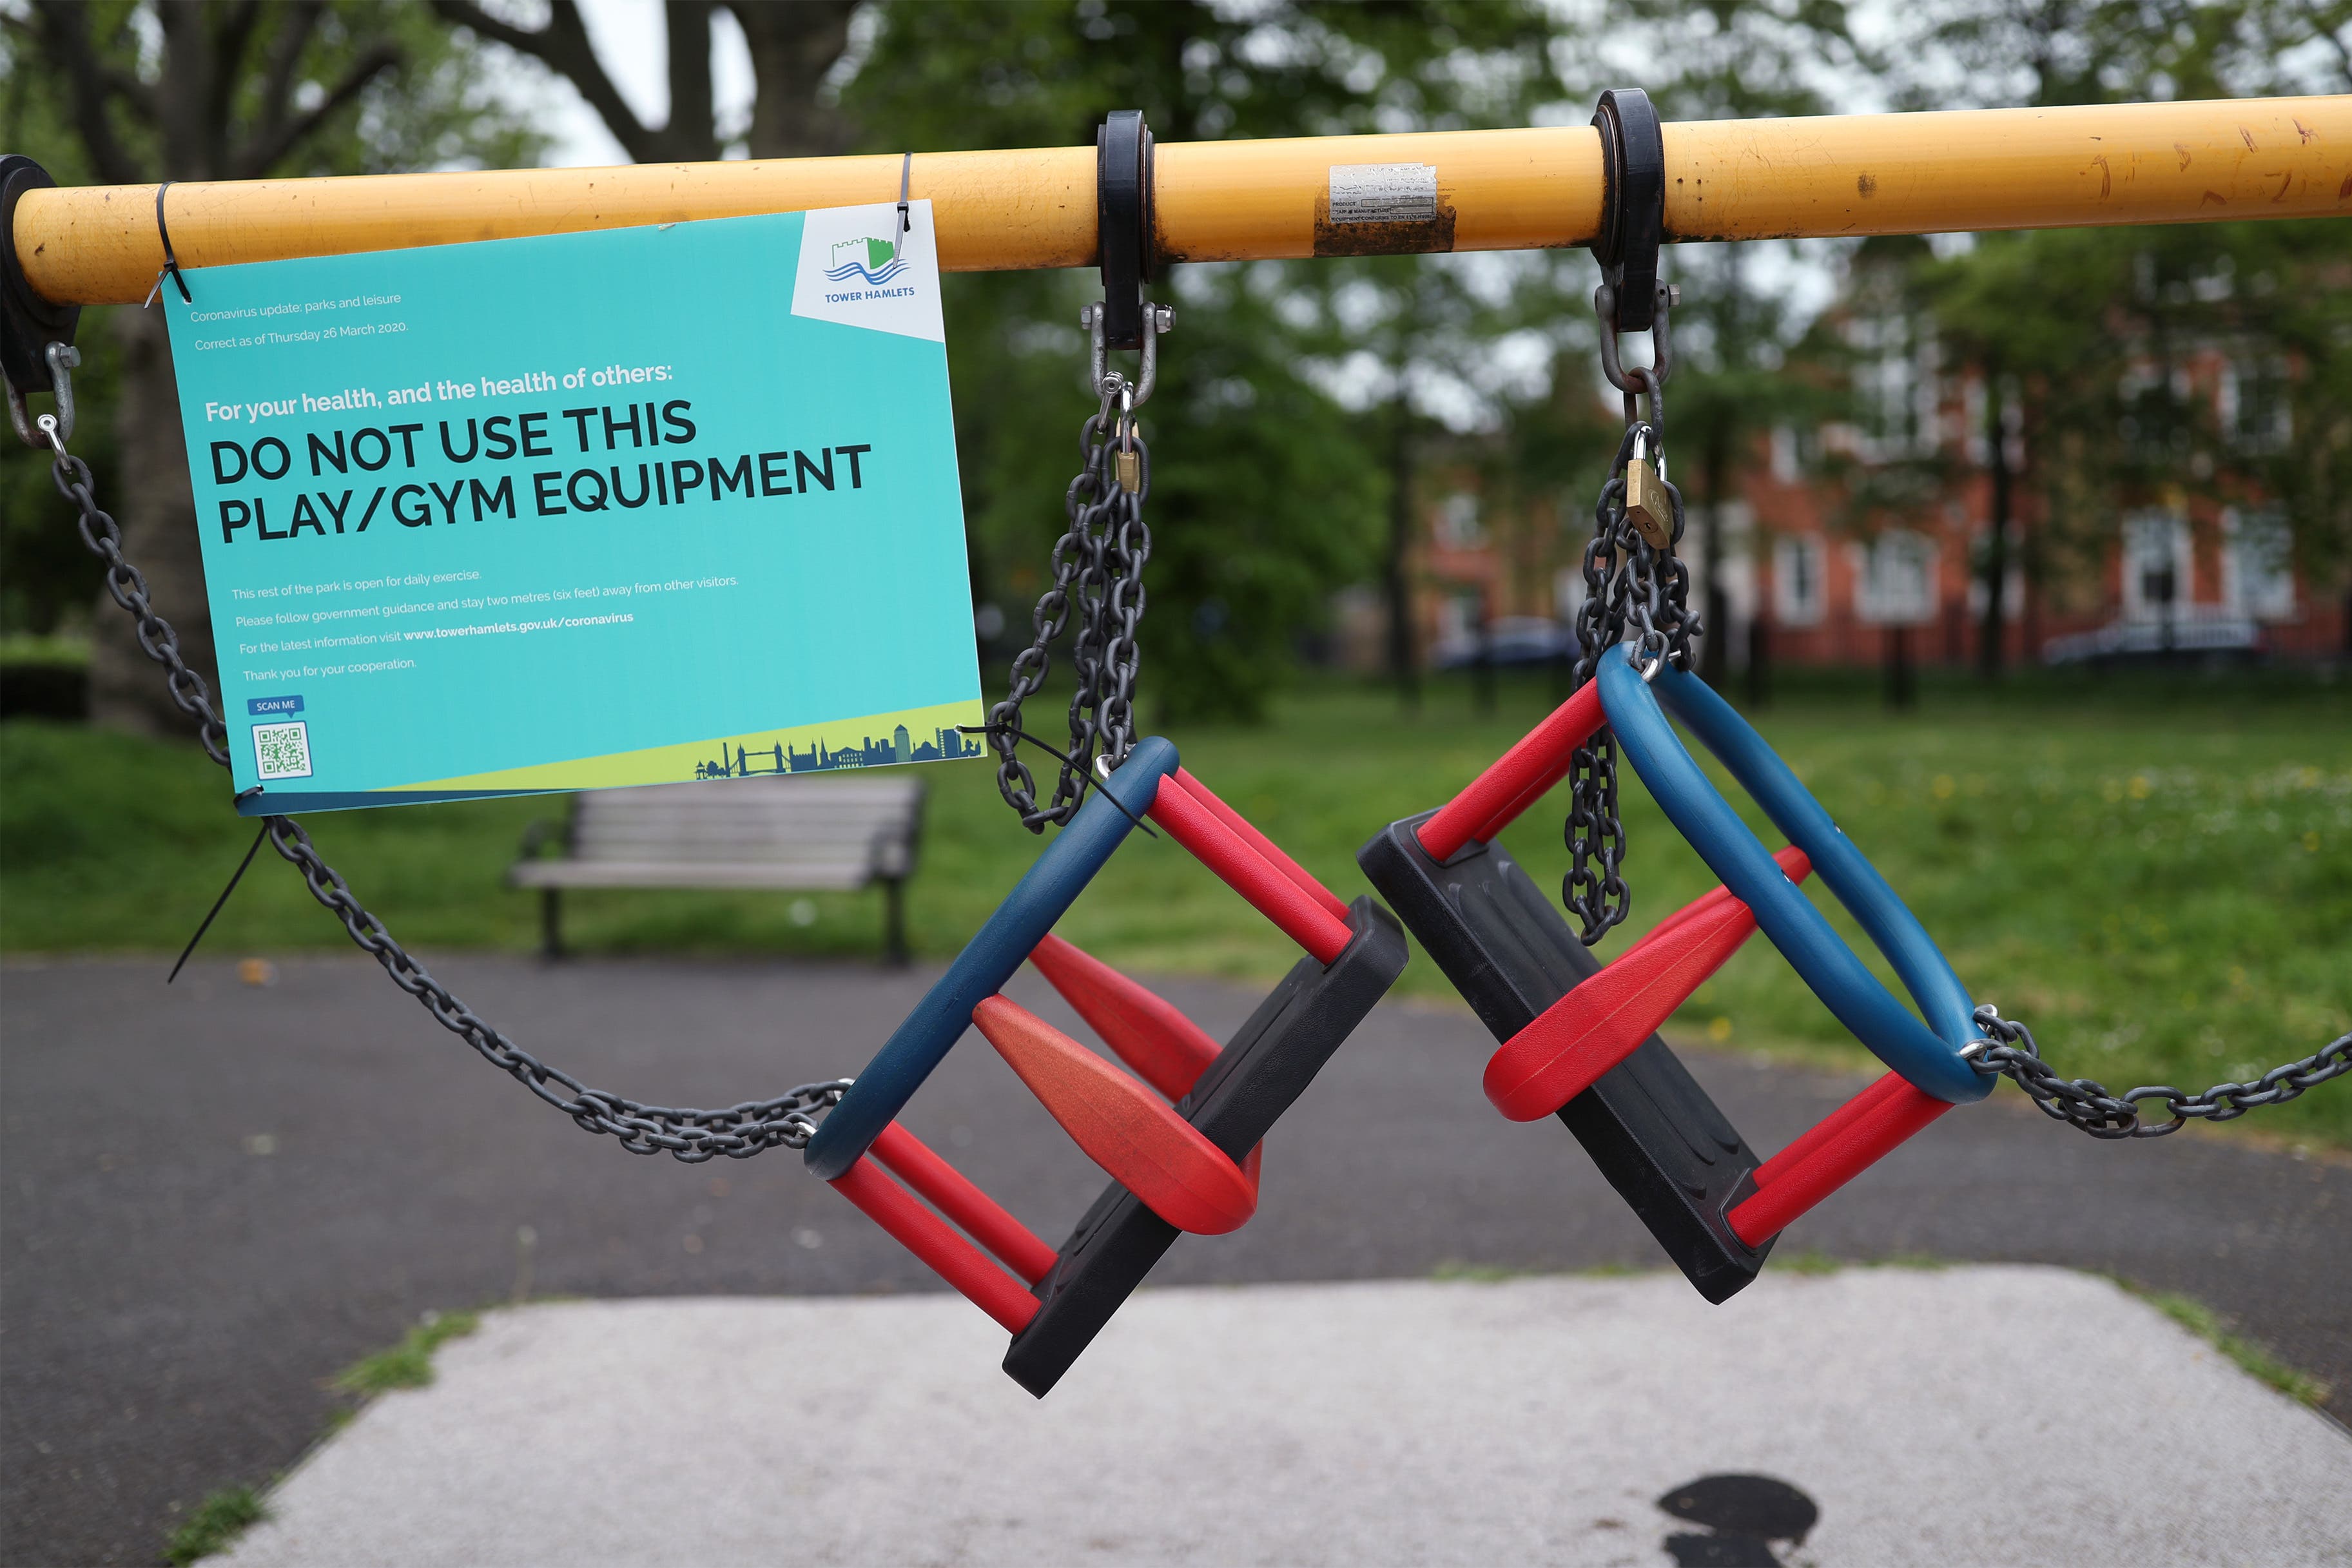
580	511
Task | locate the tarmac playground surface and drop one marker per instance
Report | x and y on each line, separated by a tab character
221	1195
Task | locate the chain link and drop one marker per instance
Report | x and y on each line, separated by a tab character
2085	1103
1099	571
128	587
692	1136
1632	591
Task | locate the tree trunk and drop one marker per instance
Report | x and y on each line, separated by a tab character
2029	562
1404	666
1995	561
792	47
1482	673
157	510
1894	643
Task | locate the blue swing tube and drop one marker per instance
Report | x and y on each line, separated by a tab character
1044	894
1929	1056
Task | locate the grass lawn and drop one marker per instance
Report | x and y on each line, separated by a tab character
2157	877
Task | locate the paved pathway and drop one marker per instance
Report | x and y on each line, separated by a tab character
1539	1421
217	1195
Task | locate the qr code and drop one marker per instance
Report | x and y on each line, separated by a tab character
282	750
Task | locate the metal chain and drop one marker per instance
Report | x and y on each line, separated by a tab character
128	587
1013	779
1127	544
1098	572
2085	1103
737	1131
1633	590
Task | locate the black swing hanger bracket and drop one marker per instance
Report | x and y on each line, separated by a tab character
1631	298
1124	244
37	351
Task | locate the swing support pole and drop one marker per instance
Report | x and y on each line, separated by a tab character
1229	201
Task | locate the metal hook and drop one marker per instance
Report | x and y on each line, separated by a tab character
63	358
1638	379
1157	319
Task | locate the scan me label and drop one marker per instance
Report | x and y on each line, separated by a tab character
258	707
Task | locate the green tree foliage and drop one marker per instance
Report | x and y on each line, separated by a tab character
205	89
129	92
1423	337
1267	492
1983	54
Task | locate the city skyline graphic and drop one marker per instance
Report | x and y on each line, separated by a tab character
739	761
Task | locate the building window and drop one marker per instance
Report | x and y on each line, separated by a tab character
1457	522
1895	385
2156	412
2156	565
1461	627
2257	565
2013	580
1797	582
2252	404
1895	579
1786	467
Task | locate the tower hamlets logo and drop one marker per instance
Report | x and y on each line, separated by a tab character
873	260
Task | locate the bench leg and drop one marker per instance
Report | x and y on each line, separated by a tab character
551	923
894	923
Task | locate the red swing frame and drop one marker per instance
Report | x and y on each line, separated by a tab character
1604	1019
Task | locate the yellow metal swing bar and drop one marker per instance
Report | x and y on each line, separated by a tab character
1228	200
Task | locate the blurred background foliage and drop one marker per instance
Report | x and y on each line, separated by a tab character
131	91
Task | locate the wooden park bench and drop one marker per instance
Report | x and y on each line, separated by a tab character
799	834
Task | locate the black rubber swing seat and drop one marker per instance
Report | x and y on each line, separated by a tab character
1662	1144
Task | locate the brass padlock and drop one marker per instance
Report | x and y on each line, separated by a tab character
1131	469
1648	507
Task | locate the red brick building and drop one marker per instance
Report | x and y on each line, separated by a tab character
2179	571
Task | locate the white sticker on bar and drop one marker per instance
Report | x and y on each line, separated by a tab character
1383	193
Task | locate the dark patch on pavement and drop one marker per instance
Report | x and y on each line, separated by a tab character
1743	1516
220	1195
